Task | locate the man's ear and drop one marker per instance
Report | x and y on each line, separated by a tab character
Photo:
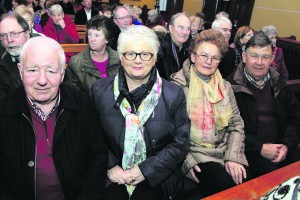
244	57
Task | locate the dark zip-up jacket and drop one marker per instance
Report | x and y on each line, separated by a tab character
286	104
79	152
166	135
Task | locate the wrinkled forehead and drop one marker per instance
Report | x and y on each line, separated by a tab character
225	25
182	21
121	12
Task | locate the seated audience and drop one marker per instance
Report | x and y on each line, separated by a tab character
60	28
270	110
50	137
98	60
85	13
278	62
14	32
154	19
174	46
28	14
216	159
145	123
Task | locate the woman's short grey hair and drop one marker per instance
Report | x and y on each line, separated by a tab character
49	42
153	13
56	8
136	34
269	30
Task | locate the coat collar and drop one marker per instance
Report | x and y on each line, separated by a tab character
240	81
17	101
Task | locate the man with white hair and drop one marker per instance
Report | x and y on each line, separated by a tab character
227	64
14	32
51	142
223	25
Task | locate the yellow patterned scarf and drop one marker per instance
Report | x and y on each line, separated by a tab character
208	107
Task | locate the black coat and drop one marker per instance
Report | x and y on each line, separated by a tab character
81	18
166	135
10	78
286	104
79	153
166	63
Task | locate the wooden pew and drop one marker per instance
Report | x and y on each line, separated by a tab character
291	52
81	33
73	48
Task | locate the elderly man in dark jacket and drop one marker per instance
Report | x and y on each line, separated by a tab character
51	145
269	108
14	32
174	46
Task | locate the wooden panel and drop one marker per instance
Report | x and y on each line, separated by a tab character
80	28
291	52
259	186
73	48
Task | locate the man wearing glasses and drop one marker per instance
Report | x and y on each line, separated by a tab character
14	32
122	19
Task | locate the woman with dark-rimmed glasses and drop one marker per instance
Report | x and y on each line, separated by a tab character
144	121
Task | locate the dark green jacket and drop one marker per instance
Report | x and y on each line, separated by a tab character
82	73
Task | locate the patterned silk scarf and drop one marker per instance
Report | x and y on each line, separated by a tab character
134	144
208	107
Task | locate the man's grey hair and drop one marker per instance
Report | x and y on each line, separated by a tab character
217	22
174	17
50	42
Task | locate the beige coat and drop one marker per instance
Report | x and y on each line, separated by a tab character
231	139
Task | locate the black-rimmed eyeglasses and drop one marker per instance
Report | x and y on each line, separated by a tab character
145	56
14	34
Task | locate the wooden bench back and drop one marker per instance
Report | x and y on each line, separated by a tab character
291	52
81	33
73	48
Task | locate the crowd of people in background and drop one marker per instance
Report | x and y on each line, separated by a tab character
149	104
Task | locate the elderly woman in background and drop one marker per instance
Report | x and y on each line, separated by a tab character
278	62
28	14
144	121
97	61
60	28
243	34
216	159
154	18
196	24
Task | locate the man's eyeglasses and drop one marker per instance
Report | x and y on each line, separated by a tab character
204	57
123	18
145	56
15	34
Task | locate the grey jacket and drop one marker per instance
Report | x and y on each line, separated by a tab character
82	73
231	139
